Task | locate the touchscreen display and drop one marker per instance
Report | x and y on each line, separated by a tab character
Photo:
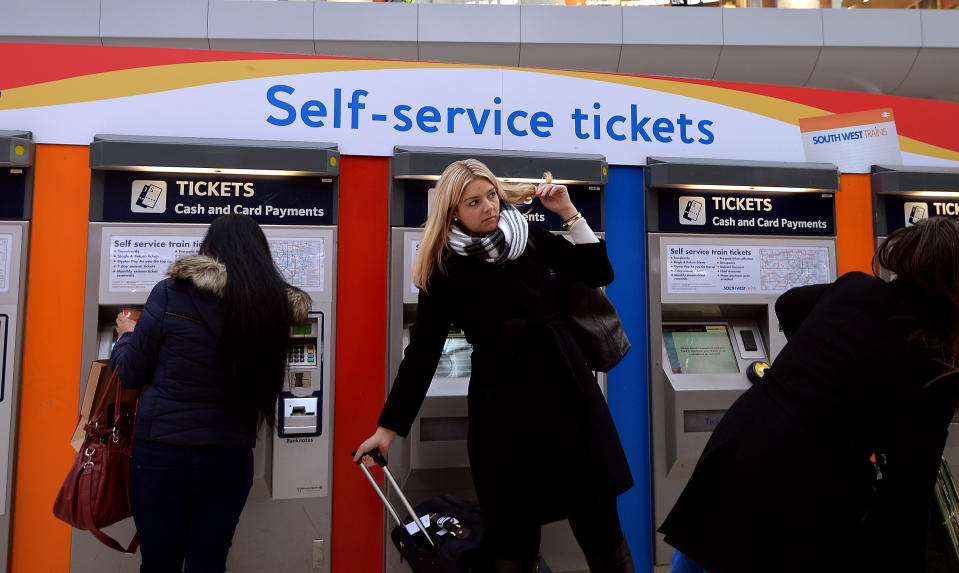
699	349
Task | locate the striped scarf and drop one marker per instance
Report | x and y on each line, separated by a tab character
507	242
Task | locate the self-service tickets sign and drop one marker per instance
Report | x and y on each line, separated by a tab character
854	142
68	94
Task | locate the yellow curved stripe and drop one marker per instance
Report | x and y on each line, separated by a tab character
775	108
910	145
768	106
141	81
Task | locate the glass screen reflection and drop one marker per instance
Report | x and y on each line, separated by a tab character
455	360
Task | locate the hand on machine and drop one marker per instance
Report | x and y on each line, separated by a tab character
126	321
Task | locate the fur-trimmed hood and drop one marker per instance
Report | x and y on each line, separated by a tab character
206	273
210	275
300	304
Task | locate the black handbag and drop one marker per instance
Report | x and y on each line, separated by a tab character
593	321
596	326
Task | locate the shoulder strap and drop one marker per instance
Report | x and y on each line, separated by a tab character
84	499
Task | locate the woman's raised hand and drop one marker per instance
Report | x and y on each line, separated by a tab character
380	440
125	324
556	199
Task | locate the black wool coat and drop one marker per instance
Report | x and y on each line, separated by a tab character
541	439
785	483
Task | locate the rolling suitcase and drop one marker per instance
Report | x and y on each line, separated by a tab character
447	537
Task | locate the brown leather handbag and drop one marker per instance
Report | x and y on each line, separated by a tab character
96	492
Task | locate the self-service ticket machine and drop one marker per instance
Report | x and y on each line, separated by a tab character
433	460
725	239
903	195
16	191
151	201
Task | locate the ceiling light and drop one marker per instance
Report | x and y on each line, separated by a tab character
207	170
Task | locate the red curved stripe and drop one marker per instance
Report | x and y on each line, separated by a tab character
27	64
930	121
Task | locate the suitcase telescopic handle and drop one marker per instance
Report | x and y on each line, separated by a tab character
376	455
381	461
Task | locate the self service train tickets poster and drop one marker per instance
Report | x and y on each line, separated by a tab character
67	94
725	269
137	262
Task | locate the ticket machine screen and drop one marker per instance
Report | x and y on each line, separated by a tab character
699	349
455	360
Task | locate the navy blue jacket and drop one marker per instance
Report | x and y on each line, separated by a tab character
173	353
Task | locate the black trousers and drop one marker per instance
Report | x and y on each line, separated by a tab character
186	504
596	528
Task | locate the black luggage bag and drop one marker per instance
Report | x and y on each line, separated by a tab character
448	537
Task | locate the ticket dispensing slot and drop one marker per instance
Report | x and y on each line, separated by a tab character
107	333
299	410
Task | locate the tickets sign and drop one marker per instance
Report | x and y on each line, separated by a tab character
747	213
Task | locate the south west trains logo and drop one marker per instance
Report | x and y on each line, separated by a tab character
692	210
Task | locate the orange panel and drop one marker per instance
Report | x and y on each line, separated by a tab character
855	243
361	291
52	340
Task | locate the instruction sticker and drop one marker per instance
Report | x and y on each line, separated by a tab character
138	263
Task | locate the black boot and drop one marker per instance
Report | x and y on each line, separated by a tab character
619	561
524	566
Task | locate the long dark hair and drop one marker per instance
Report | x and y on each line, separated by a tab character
925	257
256	314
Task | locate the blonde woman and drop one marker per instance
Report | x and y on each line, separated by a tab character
542	444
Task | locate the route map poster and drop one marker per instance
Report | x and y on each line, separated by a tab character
300	261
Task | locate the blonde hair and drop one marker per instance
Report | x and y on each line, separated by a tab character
449	191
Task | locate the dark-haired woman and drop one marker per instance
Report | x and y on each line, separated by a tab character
785	483
210	348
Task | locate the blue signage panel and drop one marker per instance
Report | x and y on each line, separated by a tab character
13	186
586	198
192	198
903	210
693	211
